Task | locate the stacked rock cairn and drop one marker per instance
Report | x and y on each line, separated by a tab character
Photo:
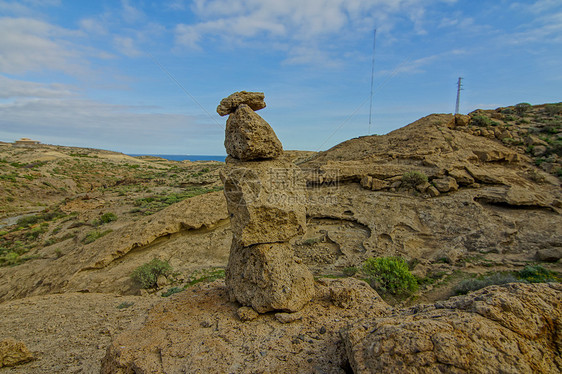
265	194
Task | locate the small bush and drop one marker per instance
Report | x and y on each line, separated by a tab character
474	284
125	304
537	274
521	108
482	121
553	109
147	275
414	178
390	275
108	217
350	271
92	236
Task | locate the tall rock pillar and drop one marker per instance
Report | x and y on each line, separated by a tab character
266	200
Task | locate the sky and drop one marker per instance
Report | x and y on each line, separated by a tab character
145	77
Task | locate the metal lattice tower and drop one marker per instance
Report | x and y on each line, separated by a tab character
459	89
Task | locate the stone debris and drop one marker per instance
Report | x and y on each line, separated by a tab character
13	353
266	200
255	100
246	314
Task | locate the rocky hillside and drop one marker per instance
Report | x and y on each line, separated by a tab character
461	198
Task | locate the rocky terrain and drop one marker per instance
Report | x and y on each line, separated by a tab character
459	197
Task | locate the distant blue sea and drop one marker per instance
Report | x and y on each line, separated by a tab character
187	157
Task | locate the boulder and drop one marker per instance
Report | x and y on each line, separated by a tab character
461	176
266	200
378	184
445	184
514	328
432	191
366	182
539	150
549	254
246	314
461	120
255	100
268	277
534	141
249	137
13	353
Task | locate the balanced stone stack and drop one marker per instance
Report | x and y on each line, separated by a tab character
266	200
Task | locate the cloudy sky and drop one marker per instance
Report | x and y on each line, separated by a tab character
146	76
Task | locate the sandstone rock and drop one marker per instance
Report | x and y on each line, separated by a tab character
172	341
423	187
549	254
461	120
249	137
255	100
461	176
512	328
433	192
266	200
445	184
535	141
367	182
539	150
246	314
267	277
378	184
13	353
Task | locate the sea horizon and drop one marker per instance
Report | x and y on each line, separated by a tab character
220	158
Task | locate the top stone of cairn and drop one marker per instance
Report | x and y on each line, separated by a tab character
255	100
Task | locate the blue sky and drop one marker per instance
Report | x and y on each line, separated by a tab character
146	76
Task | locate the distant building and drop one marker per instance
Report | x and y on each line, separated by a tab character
26	141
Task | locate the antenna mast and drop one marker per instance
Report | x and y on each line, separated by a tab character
372	79
459	89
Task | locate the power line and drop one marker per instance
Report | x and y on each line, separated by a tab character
372	79
183	89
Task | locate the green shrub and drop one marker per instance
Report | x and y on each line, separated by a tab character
413	178
206	275
553	109
390	275
350	271
92	236
521	108
147	275
474	284
537	274
482	121
125	304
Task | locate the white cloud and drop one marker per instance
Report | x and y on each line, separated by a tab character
301	24
74	120
126	46
31	45
12	88
130	13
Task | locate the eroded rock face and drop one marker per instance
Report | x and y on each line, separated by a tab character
514	328
249	137
268	277
200	331
255	100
